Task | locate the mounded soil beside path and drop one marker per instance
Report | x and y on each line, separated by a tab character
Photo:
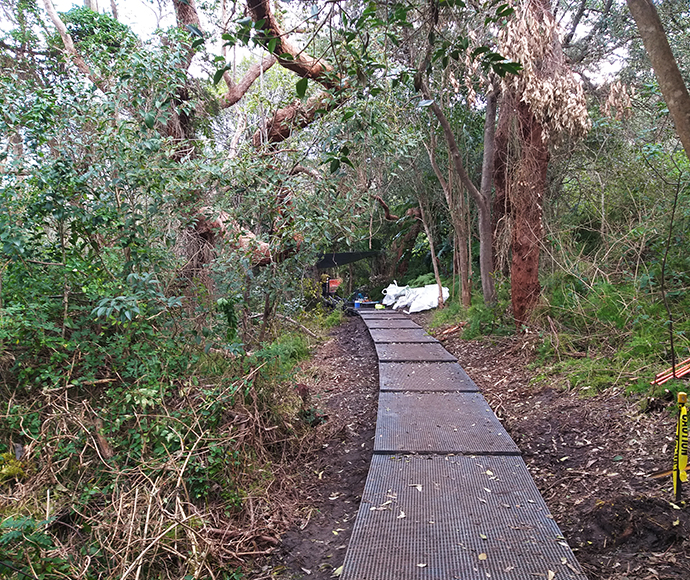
590	456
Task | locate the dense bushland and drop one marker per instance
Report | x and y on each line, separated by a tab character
164	201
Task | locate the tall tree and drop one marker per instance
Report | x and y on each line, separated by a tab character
540	105
665	67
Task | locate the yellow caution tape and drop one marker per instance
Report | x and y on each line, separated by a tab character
680	456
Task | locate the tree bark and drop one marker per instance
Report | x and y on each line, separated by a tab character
665	67
457	211
486	254
68	42
237	90
298	61
521	176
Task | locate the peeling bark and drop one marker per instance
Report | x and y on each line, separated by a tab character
521	178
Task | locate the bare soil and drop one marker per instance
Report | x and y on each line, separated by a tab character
591	457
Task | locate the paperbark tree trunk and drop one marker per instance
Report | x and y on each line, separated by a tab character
521	177
665	67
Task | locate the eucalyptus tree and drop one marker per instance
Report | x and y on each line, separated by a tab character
671	82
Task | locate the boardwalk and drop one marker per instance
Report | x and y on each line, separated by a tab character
448	496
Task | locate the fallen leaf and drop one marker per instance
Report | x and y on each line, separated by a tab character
489	472
417	485
482	500
338	571
551	575
618	458
421	565
482	556
483	537
307	572
402	515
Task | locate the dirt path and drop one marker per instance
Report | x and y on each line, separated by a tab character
590	457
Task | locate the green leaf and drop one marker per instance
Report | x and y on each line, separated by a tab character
194	30
301	87
272	44
335	165
219	75
149	120
426	103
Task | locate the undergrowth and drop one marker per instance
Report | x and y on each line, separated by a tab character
594	336
143	448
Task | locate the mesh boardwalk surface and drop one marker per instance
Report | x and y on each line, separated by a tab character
397	322
448	496
403	352
424	376
440	423
400	335
454	517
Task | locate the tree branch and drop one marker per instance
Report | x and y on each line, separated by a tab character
68	42
304	65
237	90
388	215
665	68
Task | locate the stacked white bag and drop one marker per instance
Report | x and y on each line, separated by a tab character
418	299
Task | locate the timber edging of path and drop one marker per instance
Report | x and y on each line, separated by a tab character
448	496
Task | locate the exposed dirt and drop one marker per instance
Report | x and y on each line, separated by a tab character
343	380
591	457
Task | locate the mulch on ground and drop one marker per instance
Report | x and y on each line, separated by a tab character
591	457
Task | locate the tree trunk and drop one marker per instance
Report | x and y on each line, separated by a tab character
486	256
670	80
523	179
434	259
457	211
483	203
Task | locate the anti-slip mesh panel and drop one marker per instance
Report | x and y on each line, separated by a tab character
400	335
402	352
385	314
410	376
390	323
455	518
439	423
